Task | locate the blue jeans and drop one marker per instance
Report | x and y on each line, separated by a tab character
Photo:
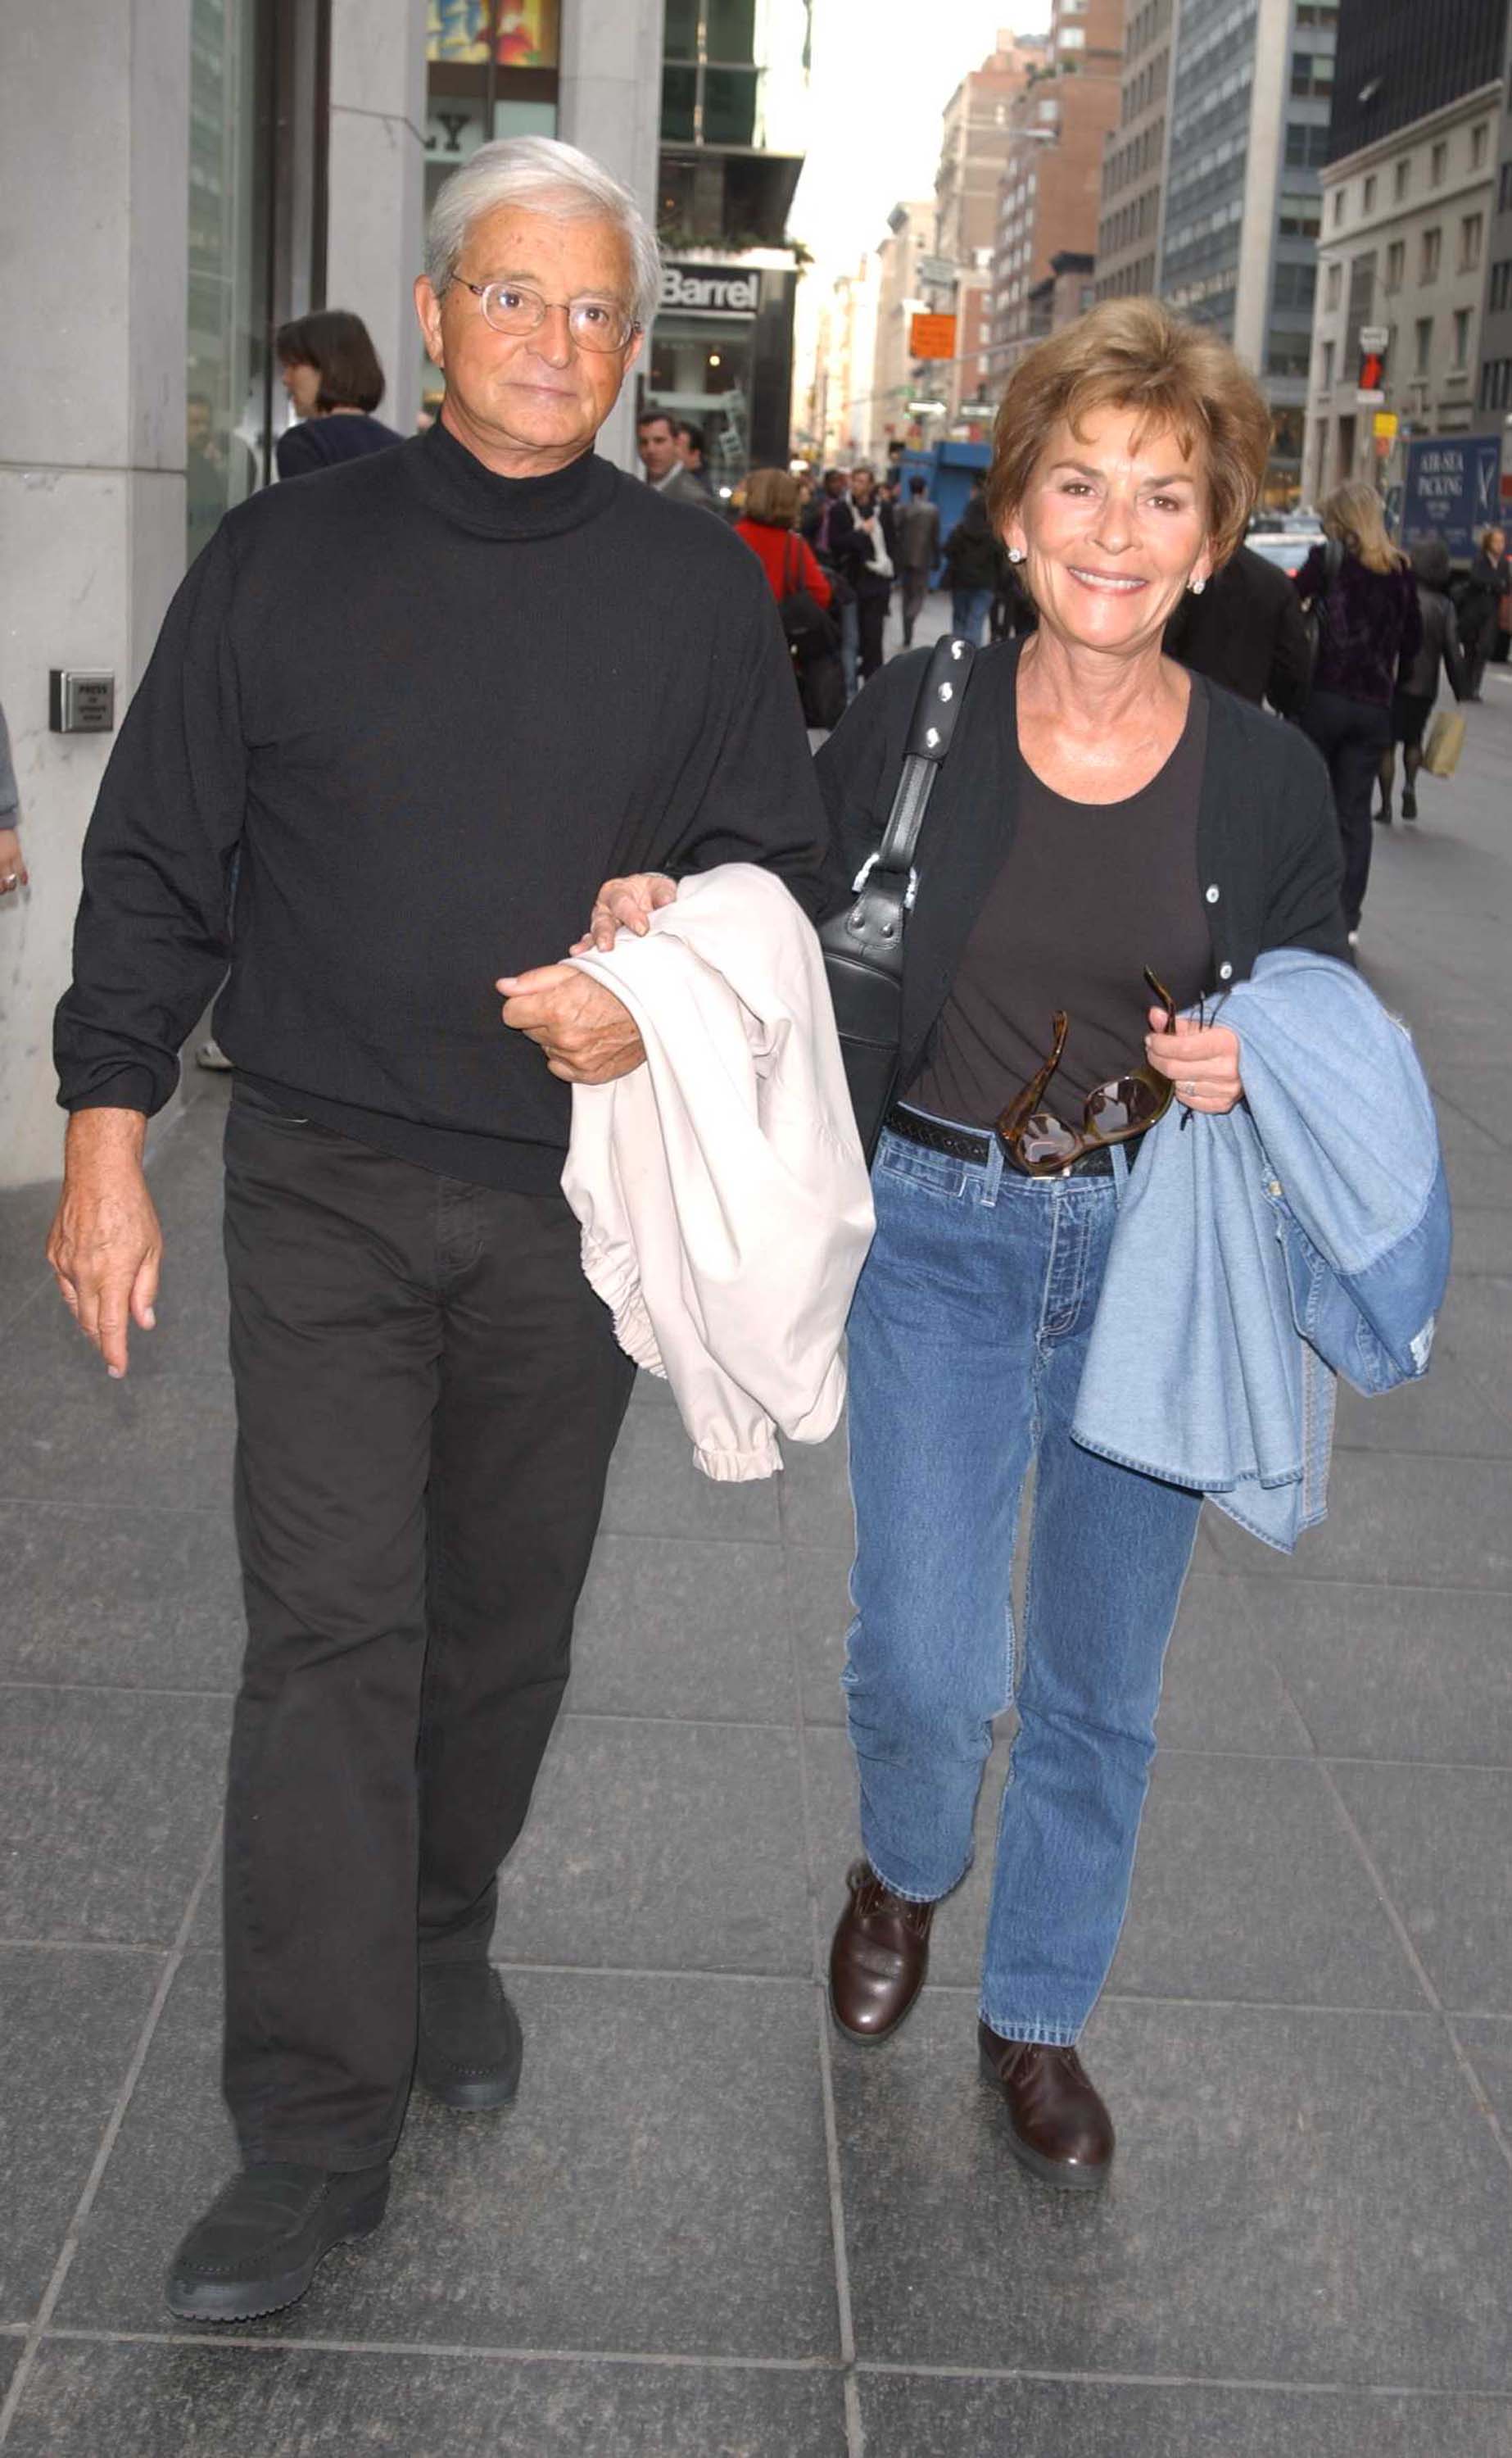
969	608
967	1338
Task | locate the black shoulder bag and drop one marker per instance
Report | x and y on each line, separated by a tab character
863	943
1315	613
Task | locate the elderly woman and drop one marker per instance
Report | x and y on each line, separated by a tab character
1105	821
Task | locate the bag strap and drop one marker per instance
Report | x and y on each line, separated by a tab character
789	542
937	712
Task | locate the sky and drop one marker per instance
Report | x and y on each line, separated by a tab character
882	74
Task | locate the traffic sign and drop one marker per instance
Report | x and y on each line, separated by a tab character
932	337
936	269
1384	426
1374	337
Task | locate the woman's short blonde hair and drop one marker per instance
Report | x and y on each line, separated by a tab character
1134	354
772	496
1355	518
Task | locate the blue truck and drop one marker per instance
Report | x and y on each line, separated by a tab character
1451	488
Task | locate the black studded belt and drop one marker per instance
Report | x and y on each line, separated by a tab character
958	1143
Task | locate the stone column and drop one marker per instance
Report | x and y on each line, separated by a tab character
609	106
93	137
377	182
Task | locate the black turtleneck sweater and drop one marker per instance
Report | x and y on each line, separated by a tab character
401	724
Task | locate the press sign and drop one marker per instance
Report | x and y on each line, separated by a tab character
711	289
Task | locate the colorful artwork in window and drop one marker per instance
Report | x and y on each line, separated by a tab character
522	33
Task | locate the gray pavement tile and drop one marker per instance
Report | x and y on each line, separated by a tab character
1476	1089
1386	1673
26	1214
165	1433
216	2401
815	1496
1298	2196
1248	1885
1220	1692
1487	2041
660	2186
69	2024
655	1490
108	1800
137	1597
1479	1171
1441	1838
1482	1242
10	2357
912	2415
669	1627
1409	1522
1446	1412
1481	1333
819	1591
674	1847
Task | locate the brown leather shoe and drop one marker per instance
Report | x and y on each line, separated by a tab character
879	1956
1058	2126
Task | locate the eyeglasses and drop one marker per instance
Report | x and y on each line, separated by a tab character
595	323
1037	1142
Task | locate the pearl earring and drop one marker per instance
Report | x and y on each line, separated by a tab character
1015	554
1196	587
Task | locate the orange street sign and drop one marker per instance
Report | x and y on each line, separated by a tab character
932	337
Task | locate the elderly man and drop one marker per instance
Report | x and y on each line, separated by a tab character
421	709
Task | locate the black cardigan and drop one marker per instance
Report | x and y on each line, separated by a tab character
1268	845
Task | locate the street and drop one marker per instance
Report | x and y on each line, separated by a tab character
710	2225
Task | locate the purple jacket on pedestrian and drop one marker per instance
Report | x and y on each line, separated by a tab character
1370	622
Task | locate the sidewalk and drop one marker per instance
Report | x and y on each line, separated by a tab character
710	2229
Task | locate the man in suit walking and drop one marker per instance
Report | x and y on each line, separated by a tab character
918	551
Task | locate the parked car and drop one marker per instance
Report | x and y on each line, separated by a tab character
1288	547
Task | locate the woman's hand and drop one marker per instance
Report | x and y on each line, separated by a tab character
1202	1060
14	873
625	904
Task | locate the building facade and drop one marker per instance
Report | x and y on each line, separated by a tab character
973	144
1406	223
1049	192
1494	382
901	296
1250	94
1134	180
841	418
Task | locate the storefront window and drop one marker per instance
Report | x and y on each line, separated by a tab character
730	106
701	370
227	414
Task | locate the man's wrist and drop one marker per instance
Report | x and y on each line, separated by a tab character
105	1133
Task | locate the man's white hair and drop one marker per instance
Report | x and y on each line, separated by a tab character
541	174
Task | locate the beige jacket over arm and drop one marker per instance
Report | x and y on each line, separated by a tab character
725	1203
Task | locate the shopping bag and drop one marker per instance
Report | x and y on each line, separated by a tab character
1443	743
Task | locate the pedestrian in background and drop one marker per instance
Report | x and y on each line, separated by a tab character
1417	676
13	873
827	525
866	561
801	587
973	565
1368	623
1480	599
1245	631
331	374
690	452
918	551
656	443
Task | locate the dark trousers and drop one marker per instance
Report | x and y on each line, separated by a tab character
428	1396
1477	639
1351	734
915	591
871	617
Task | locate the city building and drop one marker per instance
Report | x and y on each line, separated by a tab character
1049	191
1129	229
1252	83
1403	252
840	410
900	296
1494	384
733	111
973	142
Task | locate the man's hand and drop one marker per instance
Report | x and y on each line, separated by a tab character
587	1036
106	1247
1201	1060
625	904
13	873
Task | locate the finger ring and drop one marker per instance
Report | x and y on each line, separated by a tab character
10	879
1188	1090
